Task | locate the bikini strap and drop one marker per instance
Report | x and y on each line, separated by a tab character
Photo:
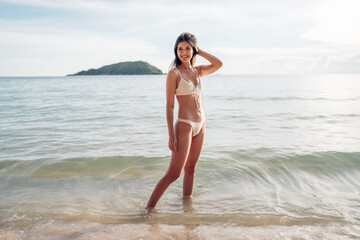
178	72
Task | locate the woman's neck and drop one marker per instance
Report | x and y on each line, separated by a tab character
186	66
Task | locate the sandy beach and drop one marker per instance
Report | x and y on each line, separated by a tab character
87	231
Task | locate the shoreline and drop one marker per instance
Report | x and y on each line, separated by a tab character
89	230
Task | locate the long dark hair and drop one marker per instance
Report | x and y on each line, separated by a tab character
191	39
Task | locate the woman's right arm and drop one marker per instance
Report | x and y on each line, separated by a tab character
170	98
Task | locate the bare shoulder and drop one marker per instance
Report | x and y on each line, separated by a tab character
172	79
173	74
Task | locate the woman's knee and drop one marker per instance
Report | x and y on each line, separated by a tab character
190	170
173	176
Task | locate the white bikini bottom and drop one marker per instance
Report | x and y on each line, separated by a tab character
196	126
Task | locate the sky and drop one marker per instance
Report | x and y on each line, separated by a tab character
60	37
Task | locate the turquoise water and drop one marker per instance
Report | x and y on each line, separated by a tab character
281	154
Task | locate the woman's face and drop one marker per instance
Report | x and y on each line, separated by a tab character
185	51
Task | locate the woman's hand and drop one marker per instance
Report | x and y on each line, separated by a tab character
197	49
173	145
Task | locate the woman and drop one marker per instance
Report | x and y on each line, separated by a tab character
187	137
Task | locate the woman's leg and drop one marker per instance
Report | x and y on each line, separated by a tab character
178	160
192	160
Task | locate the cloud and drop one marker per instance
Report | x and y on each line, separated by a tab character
69	53
73	5
137	8
238	51
309	59
335	22
328	42
258	35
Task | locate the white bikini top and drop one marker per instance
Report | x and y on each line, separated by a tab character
186	87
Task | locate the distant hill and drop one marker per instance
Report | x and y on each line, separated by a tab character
122	68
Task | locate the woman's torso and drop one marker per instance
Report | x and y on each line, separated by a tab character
188	94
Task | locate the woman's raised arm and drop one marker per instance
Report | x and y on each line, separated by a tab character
208	69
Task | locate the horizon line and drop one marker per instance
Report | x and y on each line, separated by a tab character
219	74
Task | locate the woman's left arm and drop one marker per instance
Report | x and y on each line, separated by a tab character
208	69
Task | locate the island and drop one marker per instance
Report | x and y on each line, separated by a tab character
123	68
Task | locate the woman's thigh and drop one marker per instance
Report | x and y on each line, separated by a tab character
183	133
196	146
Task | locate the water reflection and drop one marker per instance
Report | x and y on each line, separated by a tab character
188	205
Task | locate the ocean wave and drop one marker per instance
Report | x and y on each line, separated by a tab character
285	98
325	163
246	188
93	167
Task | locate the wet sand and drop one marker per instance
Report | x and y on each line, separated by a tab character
88	230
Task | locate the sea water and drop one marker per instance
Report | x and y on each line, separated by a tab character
80	156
